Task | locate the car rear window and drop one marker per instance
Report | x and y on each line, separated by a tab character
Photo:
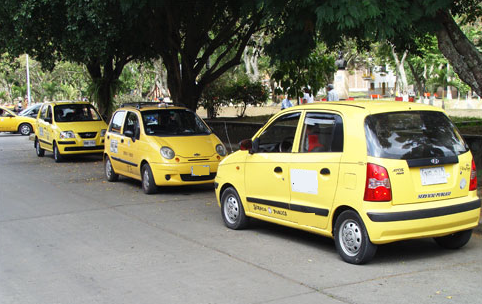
412	135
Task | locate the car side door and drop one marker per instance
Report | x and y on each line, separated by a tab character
44	127
314	170
8	121
131	144
113	144
267	169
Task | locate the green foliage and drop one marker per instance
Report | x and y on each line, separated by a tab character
315	72
215	95
244	93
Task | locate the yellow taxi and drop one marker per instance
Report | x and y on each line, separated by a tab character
364	173
67	128
161	145
11	122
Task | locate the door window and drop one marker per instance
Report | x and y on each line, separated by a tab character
279	136
322	132
116	123
131	124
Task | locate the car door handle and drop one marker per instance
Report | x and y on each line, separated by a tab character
325	171
278	170
122	141
108	137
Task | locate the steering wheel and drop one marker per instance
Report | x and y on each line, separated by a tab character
286	144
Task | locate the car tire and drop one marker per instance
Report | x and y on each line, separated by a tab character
454	240
25	129
351	239
232	210
148	184
40	152
57	156
109	171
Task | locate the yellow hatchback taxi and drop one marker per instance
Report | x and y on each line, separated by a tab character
161	145
363	173
67	128
10	122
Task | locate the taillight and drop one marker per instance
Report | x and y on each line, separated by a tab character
377	188
473	177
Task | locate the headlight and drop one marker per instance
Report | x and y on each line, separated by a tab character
67	134
102	132
167	153
221	150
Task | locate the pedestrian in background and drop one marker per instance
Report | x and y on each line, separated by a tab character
286	103
331	95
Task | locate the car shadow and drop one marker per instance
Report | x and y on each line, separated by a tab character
392	253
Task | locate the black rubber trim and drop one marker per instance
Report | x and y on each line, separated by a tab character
45	142
306	209
422	214
190	178
66	142
84	148
268	202
123	161
433	161
293	207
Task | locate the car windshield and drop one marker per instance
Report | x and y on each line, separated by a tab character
179	122
412	135
75	112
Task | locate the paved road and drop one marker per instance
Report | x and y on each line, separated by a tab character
67	236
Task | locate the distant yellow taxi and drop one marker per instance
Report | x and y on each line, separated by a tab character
11	122
363	173
161	145
66	128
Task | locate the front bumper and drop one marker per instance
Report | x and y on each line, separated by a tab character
181	174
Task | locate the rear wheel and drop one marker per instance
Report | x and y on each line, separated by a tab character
57	156
232	210
40	152
25	129
454	240
148	184
109	171
351	239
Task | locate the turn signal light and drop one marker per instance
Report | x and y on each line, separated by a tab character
473	177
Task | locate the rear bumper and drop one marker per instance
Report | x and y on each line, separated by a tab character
386	227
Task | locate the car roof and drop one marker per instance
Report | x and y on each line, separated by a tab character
65	102
368	106
146	106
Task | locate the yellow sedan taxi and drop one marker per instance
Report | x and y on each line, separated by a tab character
11	122
67	128
161	145
364	173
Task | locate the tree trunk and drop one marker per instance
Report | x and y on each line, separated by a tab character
416	76
401	75
105	83
464	57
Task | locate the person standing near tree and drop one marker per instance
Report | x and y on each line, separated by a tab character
286	103
331	95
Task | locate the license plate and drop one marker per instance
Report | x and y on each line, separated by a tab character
433	176
89	143
199	170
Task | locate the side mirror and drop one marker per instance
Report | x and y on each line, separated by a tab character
48	119
10	115
245	144
130	134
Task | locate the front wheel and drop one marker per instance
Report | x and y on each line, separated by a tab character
454	240
57	156
148	184
351	239
40	152
232	210
109	171
25	129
